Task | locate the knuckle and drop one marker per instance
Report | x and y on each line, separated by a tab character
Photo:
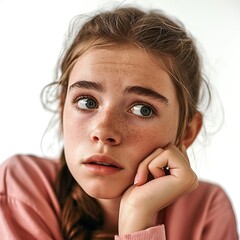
168	152
151	166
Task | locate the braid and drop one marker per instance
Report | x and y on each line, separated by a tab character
81	214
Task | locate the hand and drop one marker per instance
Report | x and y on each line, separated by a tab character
141	202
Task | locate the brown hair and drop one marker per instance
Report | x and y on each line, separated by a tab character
163	38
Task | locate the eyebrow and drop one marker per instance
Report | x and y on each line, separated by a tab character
147	92
87	85
132	89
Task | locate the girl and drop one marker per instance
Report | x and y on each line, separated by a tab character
128	101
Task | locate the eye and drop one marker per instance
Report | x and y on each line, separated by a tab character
87	103
142	110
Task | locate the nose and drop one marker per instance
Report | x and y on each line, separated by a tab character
107	130
105	140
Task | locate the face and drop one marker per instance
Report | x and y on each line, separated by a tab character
120	106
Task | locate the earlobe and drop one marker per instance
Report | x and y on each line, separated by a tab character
192	129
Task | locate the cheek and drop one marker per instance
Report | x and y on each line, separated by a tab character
74	135
144	141
72	130
156	136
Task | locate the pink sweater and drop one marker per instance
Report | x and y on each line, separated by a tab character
30	210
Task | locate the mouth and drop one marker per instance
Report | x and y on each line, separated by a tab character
103	164
100	164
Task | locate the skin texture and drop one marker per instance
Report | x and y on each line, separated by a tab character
114	130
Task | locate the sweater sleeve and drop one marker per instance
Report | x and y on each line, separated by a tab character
153	233
28	206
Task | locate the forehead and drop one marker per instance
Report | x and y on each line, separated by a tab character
123	62
119	68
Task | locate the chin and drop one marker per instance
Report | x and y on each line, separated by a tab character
104	191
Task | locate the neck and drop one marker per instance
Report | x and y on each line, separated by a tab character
111	213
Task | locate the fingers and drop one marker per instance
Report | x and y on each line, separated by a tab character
143	171
170	157
177	162
154	187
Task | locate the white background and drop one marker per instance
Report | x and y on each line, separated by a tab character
31	37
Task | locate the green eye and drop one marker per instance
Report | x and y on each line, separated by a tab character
87	103
142	110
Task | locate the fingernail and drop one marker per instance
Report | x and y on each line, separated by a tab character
136	179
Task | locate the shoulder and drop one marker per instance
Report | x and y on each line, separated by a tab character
210	192
207	195
208	199
31	161
27	191
22	174
207	210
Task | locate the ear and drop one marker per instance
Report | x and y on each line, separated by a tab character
192	129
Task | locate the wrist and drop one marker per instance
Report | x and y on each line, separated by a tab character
134	221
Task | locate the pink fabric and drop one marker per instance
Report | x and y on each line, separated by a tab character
152	233
29	208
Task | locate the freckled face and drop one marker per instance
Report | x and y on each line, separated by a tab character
120	106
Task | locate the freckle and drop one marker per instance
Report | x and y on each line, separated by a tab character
139	137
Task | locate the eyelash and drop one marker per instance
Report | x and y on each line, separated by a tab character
77	99
154	112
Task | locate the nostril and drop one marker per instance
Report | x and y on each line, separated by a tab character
95	139
105	137
111	140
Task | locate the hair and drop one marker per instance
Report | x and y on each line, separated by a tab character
161	37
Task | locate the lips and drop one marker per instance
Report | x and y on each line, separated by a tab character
102	165
104	160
